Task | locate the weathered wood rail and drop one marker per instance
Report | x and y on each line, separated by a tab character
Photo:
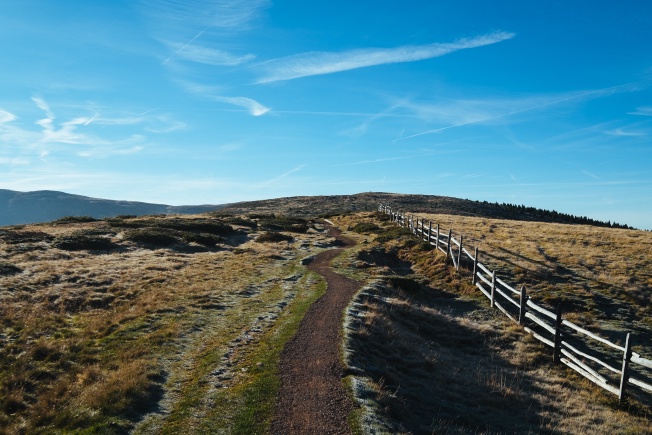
613	367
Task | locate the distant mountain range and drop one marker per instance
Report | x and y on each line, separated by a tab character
46	205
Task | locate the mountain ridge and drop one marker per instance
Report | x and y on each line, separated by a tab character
19	208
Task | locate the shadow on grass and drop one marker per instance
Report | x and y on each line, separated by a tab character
432	370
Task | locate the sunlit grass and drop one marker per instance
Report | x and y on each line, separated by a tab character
142	336
428	355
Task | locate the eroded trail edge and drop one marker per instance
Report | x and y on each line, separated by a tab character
312	399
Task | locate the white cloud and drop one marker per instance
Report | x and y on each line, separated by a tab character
6	116
642	111
462	112
209	56
317	63
621	132
282	176
225	15
253	106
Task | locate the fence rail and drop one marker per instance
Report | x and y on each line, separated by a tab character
585	352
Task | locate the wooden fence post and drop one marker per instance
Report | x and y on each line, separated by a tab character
556	354
475	266
493	287
437	246
523	301
448	245
624	375
429	230
459	253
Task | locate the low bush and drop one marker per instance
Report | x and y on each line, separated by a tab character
210	226
82	241
393	233
14	237
151	236
284	223
205	239
405	284
75	220
274	237
235	220
366	228
7	269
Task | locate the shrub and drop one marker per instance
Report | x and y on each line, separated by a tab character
75	220
82	241
151	236
274	238
7	269
405	284
284	223
392	233
366	228
204	239
14	237
210	226
235	220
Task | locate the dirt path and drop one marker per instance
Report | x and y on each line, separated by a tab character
311	399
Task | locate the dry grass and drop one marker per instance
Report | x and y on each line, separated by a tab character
427	354
602	277
179	330
139	335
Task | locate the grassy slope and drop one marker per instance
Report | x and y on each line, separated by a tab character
186	337
161	338
427	354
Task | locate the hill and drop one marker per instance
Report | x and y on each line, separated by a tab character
17	208
312	206
169	324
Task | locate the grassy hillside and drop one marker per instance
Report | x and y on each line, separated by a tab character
169	323
151	323
427	354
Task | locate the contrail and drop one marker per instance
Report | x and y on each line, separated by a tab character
185	45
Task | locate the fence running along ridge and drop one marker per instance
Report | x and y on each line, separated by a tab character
609	365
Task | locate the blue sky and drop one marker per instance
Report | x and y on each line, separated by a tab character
542	103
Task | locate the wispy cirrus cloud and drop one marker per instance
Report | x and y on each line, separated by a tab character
91	136
253	106
626	133
209	56
282	176
6	116
456	113
642	111
178	24
213	92
225	15
318	63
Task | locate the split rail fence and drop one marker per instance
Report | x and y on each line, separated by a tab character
614	367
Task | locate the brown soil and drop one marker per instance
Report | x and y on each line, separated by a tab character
312	399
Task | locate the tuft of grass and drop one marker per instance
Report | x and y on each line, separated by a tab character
7	269
82	240
366	228
285	223
74	220
151	236
394	233
270	237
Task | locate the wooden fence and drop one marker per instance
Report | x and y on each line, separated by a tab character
612	366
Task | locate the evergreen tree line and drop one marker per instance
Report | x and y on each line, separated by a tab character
521	212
